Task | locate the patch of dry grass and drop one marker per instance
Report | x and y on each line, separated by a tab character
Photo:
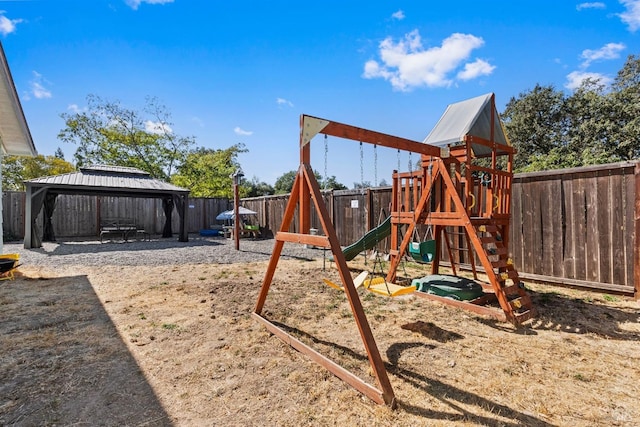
177	345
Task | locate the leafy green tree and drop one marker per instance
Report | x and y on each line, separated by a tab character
535	122
331	183
207	172
361	185
625	97
108	133
16	169
595	124
256	188
284	183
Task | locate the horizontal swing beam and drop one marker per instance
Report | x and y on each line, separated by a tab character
307	239
341	130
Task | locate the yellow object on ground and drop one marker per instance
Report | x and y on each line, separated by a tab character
379	285
8	263
357	281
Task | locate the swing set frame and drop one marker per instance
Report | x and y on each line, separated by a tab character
304	192
451	211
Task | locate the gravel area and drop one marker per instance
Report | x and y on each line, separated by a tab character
157	251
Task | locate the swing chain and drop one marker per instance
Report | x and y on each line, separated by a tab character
326	155
375	165
361	168
410	163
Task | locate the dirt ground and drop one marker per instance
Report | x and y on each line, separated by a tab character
176	345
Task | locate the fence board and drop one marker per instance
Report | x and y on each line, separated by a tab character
592	249
580	225
617	241
517	240
568	226
604	223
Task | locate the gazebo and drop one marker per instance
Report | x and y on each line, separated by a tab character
99	180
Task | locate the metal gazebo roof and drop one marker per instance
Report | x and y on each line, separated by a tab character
104	179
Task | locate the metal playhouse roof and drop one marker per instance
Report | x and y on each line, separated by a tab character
104	179
473	117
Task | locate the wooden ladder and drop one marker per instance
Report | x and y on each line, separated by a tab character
509	290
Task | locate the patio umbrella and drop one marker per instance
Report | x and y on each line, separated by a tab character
227	215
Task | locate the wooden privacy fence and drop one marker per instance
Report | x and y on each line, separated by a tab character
579	226
574	226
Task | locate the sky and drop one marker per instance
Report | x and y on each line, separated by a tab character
244	71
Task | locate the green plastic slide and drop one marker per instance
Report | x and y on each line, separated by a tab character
369	240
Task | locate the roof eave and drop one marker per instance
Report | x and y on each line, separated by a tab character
14	131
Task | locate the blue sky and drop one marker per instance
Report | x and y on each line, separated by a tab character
244	71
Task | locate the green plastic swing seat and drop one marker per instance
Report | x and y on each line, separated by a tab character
423	251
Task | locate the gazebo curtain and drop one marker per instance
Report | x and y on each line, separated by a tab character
37	200
47	228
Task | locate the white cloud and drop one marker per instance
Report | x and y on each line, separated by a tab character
407	65
157	127
575	79
282	101
242	132
591	5
631	16
399	15
476	69
37	87
74	108
7	26
608	51
134	4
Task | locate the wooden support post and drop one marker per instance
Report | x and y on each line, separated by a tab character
636	242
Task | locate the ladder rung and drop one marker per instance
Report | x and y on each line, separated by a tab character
522	301
514	289
523	316
487	239
460	249
511	274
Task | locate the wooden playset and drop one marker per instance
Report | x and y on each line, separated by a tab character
461	192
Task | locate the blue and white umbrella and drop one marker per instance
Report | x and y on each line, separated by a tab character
228	215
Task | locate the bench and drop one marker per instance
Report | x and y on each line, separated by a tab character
123	227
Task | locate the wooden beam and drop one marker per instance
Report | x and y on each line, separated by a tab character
493	312
306	239
354	133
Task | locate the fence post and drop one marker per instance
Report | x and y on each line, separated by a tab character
636	237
